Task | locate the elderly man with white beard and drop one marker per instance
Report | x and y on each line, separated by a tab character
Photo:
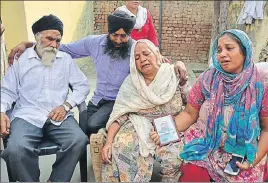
39	84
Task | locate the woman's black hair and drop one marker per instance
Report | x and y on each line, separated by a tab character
237	40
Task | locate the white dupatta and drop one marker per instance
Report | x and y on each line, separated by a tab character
135	95
141	17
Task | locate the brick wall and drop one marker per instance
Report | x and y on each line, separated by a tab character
186	26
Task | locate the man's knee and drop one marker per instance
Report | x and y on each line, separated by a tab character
97	122
81	140
83	123
93	128
78	141
16	150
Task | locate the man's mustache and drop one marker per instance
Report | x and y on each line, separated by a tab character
119	44
50	49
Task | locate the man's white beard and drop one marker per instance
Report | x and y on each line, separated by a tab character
48	54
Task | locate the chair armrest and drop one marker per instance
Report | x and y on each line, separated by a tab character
97	142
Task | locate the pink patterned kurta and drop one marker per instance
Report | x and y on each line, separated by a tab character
216	161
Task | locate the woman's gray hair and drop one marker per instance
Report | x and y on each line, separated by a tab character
153	48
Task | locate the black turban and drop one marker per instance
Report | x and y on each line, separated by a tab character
120	19
49	22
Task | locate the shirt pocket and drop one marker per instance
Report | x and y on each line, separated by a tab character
119	77
58	79
29	77
121	74
30	80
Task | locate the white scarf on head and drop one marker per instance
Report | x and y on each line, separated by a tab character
134	95
141	17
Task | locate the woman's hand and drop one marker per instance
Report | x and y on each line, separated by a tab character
106	153
155	137
243	166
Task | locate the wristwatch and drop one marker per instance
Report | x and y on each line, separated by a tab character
66	108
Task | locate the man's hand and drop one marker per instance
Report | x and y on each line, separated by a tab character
181	70
5	124
16	52
155	137
2	30
57	114
164	59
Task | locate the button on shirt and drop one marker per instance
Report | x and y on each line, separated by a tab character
110	72
38	89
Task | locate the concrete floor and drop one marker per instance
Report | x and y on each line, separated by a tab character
45	162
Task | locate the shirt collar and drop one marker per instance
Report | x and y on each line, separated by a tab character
104	41
33	54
